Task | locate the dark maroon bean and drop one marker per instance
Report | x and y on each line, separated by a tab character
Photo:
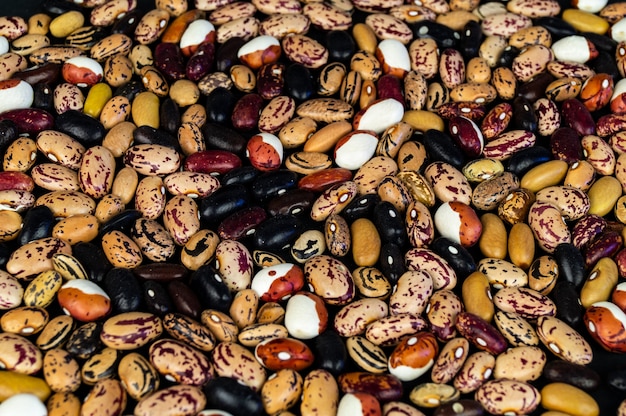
557	27
471	38
535	88
212	162
93	259
219	105
29	120
47	73
222	203
441	148
169	118
481	333
299	82
185	300
271	80
526	159
168	58
330	352
242	223
443	35
471	110
123	222
37	223
127	23
201	62
467	136
340	45
226	55
247	111
390	224
568	306
586	229
271	184
123	289
606	244
575	115
156	298
84	341
391	262
294	202
221	137
524	117
581	376
236	398
384	387
276	233
212	292
390	86
571	264
565	145
457	256
160	272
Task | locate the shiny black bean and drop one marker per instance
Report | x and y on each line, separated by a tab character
127	23
37	223
219	105
616	378
471	38
123	289
93	259
5	254
220	137
169	117
156	298
87	130
604	63
123	222
8	134
130	90
275	183
524	160
507	56
360	207
557	27
571	264
243	175
222	203
568	306
602	43
390	224
226	393
150	135
330	352
391	262
299	82
277	233
57	7
43	96
443	35
457	256
441	148
212	292
340	45
581	376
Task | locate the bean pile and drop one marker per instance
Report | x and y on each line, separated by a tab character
352	207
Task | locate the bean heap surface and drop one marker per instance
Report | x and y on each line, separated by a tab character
285	207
